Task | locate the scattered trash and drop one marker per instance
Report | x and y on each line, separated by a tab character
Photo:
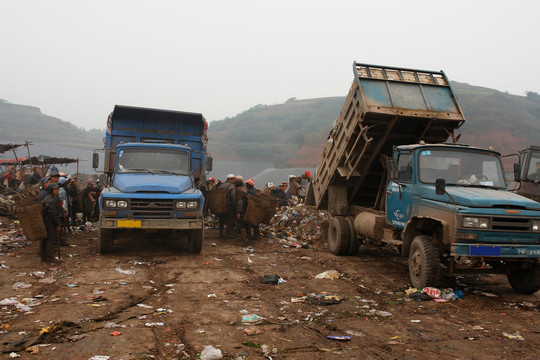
14	355
355	333
329	274
116	333
33	349
339	338
434	293
211	353
252	331
127	272
99	357
416	321
21	285
252	345
145	306
271	279
252	319
323	299
152	324
486	294
515	336
72	285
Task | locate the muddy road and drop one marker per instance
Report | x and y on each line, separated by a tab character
151	299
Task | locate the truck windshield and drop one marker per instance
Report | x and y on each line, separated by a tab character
154	161
533	172
464	168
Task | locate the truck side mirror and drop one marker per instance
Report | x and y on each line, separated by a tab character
95	160
209	163
440	186
517	172
391	168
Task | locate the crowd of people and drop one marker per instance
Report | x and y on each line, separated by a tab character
62	200
237	190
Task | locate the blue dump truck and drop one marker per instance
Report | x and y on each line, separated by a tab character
153	159
387	176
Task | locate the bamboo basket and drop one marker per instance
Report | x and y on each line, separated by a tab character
217	201
31	219
255	212
271	204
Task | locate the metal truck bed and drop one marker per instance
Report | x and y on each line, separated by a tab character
385	107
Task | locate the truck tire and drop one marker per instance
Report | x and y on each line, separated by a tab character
525	281
424	262
105	241
338	236
354	241
195	241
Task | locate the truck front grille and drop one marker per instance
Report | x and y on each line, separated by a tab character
152	208
511	224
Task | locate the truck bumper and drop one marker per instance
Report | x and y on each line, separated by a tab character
151	224
496	251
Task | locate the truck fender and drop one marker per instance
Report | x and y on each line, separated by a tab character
423	225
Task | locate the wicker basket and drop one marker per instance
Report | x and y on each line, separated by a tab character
31	220
271	204
255	212
217	201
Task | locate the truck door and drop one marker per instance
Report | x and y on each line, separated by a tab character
398	192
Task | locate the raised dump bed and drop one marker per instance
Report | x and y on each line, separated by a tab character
385	107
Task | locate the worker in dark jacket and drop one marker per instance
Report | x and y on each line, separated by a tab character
52	216
230	219
280	192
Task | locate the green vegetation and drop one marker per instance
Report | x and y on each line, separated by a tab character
506	122
276	132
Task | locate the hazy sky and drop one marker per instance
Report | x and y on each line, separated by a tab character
75	60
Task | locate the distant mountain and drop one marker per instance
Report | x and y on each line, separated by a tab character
293	134
22	122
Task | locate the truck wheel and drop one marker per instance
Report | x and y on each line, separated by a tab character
424	263
354	241
525	281
195	241
105	241
338	236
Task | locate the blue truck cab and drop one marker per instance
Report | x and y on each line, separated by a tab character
452	207
154	161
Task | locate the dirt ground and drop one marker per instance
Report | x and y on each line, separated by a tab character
150	299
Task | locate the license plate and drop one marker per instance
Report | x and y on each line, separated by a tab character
479	250
129	223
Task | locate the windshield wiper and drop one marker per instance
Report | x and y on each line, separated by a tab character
139	170
155	171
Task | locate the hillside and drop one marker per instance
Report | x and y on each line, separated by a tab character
21	122
293	134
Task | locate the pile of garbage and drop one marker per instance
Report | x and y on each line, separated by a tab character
297	226
435	294
11	236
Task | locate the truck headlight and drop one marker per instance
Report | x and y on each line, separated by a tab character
192	205
180	205
122	204
475	222
536	225
110	203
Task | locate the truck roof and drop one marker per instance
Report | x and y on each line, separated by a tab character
386	107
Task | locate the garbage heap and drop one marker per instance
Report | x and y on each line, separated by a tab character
297	226
11	236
